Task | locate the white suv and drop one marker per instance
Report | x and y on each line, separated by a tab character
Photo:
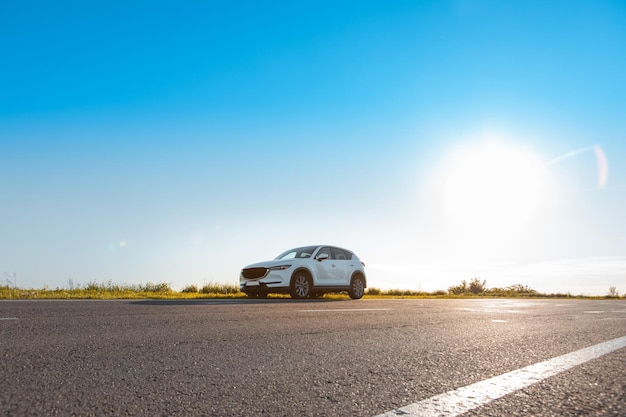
306	272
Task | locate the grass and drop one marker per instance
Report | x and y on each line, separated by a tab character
110	290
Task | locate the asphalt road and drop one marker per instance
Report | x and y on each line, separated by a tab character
301	358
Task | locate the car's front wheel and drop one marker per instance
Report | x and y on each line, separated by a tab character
357	287
300	285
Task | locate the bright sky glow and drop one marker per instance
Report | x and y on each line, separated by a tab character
493	189
440	140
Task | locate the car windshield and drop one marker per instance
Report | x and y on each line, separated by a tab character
305	252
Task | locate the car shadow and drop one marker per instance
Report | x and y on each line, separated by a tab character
234	301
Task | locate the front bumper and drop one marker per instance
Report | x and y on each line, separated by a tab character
263	288
275	281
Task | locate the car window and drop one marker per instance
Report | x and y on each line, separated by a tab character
288	255
304	252
325	250
341	255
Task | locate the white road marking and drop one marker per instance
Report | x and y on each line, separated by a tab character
344	309
464	399
8	318
499	321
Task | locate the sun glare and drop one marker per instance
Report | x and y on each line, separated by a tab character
492	189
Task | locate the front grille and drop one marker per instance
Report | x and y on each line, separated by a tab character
254	273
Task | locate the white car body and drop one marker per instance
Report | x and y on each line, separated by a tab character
305	272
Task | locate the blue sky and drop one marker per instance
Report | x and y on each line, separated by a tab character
169	142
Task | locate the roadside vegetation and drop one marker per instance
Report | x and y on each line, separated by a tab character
109	290
478	288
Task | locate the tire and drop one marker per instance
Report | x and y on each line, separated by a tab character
301	286
357	287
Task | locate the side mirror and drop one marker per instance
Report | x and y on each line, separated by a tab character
322	257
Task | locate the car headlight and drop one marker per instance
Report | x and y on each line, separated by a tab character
279	267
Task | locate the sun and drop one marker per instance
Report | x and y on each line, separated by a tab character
492	189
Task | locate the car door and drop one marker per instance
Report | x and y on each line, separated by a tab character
341	261
325	269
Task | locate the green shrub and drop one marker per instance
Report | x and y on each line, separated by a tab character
373	291
613	293
158	287
477	286
459	289
93	287
212	288
190	289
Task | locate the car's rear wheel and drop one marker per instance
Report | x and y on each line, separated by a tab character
300	285
357	287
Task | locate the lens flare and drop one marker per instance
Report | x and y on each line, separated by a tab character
601	162
603	166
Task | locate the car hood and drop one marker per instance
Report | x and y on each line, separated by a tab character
269	264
